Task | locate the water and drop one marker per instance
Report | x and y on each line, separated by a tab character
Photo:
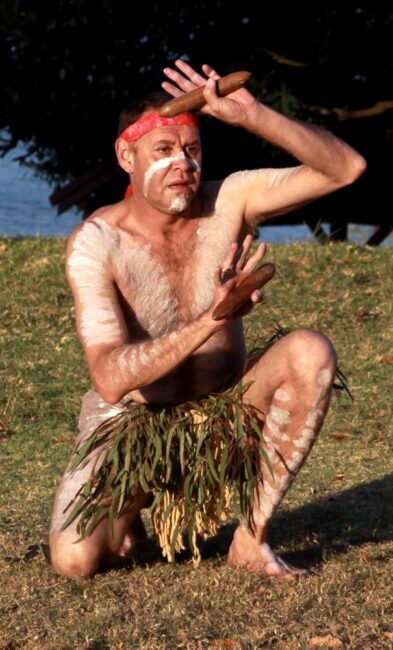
25	210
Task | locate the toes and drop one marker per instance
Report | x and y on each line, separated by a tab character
276	567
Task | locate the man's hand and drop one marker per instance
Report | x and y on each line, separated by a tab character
233	272
232	109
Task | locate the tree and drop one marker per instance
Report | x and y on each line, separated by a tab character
70	69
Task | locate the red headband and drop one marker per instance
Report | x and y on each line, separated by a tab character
154	120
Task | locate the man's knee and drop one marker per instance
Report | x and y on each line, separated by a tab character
310	352
73	560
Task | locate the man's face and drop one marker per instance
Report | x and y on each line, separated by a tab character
167	167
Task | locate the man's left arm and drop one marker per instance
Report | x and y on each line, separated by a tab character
326	162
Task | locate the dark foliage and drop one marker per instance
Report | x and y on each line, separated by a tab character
69	68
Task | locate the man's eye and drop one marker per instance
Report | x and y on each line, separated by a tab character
163	149
192	151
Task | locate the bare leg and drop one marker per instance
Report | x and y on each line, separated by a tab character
292	387
104	547
136	536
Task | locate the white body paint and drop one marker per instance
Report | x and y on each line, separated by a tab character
325	377
153	300
162	163
313	417
293	448
271	177
281	416
281	395
217	229
87	265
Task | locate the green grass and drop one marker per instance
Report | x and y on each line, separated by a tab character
336	519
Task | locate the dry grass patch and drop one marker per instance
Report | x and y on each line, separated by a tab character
336	520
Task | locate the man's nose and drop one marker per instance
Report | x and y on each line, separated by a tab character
184	162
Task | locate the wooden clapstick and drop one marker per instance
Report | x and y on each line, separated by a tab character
194	100
241	294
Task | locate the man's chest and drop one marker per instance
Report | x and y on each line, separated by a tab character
166	286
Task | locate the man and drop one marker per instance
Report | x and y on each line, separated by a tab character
146	275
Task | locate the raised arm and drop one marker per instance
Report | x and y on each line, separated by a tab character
327	163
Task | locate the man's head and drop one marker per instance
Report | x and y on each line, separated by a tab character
162	155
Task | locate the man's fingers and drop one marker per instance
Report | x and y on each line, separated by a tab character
217	275
196	78
257	296
210	72
220	279
243	252
171	89
185	84
255	259
229	262
210	94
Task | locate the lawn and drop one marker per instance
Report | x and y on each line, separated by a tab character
336	520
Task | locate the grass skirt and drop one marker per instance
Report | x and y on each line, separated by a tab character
193	457
202	461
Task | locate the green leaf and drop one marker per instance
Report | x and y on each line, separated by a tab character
201	490
123	492
82	452
210	463
181	451
94	521
76	510
157	456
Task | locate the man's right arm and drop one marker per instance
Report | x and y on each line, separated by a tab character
116	364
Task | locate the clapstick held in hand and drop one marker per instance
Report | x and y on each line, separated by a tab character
238	297
194	100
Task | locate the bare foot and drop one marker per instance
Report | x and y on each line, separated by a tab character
135	538
247	553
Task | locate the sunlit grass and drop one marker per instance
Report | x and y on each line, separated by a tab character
336	520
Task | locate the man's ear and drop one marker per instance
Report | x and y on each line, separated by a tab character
125	155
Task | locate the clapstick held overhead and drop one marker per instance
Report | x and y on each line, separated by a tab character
238	297
194	100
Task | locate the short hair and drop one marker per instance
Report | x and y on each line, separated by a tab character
137	108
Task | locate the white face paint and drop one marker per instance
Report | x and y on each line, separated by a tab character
162	164
179	204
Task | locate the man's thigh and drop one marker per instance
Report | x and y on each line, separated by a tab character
94	412
264	372
294	358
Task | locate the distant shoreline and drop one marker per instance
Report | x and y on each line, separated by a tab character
25	211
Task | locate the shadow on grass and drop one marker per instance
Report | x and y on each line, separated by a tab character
309	534
327	526
317	530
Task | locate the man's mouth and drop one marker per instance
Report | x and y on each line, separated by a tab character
179	185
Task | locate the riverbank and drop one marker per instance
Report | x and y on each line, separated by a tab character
336	520
25	211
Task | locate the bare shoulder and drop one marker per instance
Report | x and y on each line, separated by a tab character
95	227
217	196
224	201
